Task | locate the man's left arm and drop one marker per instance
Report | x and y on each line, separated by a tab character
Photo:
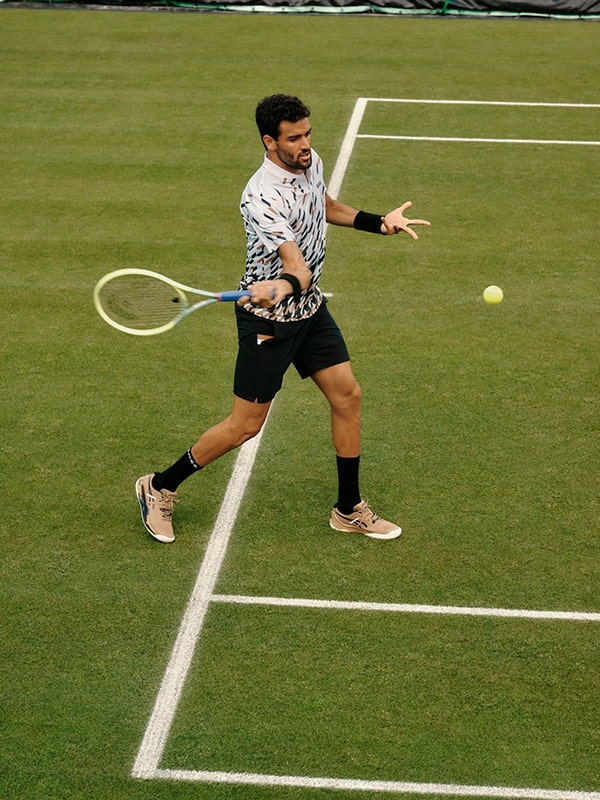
395	221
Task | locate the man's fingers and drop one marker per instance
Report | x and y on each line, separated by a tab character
405	226
267	293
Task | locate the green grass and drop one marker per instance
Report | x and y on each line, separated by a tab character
127	138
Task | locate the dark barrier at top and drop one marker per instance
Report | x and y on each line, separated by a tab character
570	7
554	8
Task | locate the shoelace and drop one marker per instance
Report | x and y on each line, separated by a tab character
367	510
165	505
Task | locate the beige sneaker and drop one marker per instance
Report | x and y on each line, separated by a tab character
157	509
364	521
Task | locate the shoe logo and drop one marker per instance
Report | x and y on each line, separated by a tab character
143	503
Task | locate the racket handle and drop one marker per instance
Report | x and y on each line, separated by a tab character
229	296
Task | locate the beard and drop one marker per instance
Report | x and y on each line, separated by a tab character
301	162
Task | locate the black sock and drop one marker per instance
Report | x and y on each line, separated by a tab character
348	491
176	474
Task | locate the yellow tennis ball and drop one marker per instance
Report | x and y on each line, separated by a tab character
493	295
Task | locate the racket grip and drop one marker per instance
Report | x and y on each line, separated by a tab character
229	296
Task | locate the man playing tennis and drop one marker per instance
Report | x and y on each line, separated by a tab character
285	208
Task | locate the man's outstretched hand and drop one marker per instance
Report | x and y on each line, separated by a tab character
395	222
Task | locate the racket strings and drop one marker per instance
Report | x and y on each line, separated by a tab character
141	302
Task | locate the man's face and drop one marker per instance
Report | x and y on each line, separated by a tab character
291	149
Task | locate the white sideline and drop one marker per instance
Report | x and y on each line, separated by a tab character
146	765
159	725
350	136
167	700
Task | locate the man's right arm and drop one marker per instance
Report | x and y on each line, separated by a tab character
267	293
294	264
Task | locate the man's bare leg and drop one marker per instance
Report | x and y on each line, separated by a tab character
244	422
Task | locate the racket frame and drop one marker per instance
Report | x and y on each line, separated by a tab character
182	290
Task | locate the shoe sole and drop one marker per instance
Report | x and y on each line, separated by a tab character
139	492
390	535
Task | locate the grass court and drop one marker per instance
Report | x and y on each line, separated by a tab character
460	659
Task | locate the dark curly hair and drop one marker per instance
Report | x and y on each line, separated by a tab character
273	110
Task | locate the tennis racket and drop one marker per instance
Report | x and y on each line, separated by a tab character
145	303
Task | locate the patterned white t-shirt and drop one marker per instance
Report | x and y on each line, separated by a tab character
279	206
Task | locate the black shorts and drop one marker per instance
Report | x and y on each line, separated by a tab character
310	345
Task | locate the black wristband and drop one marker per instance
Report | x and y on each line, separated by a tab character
294	283
371	223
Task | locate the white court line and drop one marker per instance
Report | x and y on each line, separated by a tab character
477	102
388	787
347	145
365	100
410	608
471	140
161	720
147	762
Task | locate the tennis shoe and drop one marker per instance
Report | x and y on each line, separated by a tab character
363	520
157	509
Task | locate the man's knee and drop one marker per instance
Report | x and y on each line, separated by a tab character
247	420
252	427
348	398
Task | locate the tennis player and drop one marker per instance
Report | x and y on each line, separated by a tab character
285	208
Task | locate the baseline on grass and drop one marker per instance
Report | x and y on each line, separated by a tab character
144	303
148	761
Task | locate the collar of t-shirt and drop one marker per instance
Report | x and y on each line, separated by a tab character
284	176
